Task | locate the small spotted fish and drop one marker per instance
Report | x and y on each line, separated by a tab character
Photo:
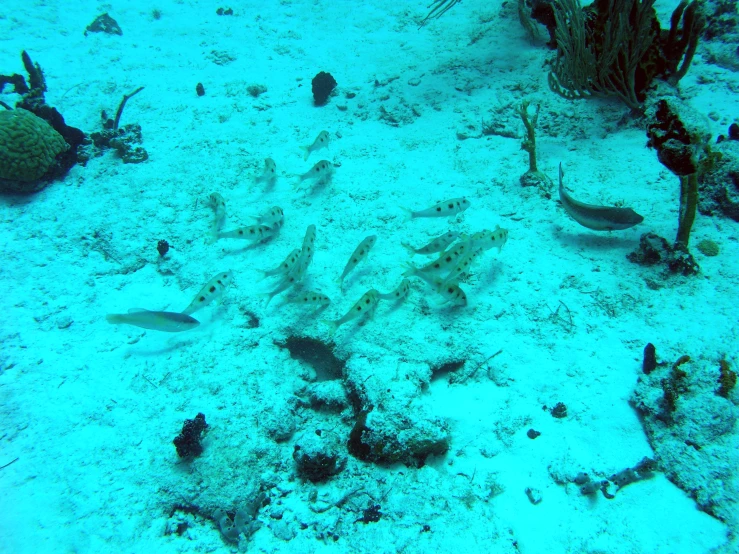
438	244
451	292
359	254
269	174
271	217
288	281
364	307
400	292
285	266
448	208
212	290
306	253
310	298
321	173
296	273
488	239
461	267
321	141
254	233
445	262
218	205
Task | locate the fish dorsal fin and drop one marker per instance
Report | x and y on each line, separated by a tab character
137	310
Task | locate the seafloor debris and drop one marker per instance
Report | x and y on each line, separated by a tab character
187	442
125	140
104	24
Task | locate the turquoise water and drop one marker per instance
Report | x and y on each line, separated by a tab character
230	248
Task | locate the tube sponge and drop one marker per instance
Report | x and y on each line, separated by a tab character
28	145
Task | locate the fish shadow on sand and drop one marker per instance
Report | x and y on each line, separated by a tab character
600	242
490	278
244	249
167	346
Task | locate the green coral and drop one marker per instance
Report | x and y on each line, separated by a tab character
28	145
708	247
617	48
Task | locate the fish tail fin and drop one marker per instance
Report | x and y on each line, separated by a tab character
268	295
410	271
306	152
332	326
115	319
561	174
409	248
408	214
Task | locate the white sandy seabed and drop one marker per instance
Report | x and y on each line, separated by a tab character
89	410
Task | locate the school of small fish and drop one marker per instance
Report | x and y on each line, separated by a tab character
455	253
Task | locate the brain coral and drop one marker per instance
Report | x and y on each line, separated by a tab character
28	145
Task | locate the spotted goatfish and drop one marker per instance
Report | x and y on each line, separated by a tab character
448	208
400	292
271	216
297	267
438	244
212	290
486	240
269	174
285	266
254	233
218	204
597	218
451	292
168	322
310	298
364	307
321	142
321	173
359	254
